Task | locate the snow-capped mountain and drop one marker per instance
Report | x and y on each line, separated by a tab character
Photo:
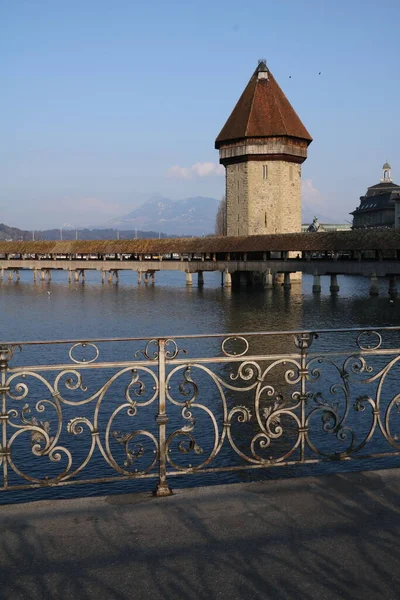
191	216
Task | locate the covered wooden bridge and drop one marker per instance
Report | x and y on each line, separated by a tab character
247	259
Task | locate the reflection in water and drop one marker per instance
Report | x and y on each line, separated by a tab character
170	307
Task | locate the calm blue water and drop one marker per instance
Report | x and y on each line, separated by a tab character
168	307
92	310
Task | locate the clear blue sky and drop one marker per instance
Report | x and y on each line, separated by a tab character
100	99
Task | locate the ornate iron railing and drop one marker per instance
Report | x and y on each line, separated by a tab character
101	410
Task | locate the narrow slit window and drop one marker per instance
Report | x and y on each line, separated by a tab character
265	171
265	219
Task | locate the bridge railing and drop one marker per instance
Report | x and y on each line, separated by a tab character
86	411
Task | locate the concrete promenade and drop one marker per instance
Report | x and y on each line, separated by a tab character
308	538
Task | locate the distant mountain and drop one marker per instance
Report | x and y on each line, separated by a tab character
13	233
191	216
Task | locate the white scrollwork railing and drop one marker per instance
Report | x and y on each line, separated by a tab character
159	407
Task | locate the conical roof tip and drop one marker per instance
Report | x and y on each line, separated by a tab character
262	65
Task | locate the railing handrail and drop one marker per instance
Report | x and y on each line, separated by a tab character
201	336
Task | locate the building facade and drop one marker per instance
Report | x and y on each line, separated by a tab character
380	207
262	146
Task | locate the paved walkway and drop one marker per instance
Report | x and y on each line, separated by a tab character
312	538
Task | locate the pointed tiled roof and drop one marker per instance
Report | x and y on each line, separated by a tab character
262	111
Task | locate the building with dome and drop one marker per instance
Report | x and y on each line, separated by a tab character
380	207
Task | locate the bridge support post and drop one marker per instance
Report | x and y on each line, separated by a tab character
34	275
278	278
189	278
2	274
200	278
227	279
76	276
268	281
374	287
334	287
103	276
45	275
392	287
316	288
111	274
139	276
244	280
286	281
83	276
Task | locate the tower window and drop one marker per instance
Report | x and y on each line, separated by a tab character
265	219
265	171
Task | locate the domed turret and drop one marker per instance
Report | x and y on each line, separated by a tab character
386	173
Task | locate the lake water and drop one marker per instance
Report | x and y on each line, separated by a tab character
169	308
28	312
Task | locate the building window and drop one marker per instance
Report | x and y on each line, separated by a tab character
265	171
265	219
291	173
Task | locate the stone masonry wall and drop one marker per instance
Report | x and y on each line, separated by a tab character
259	206
237	195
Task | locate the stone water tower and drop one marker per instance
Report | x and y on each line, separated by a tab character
262	146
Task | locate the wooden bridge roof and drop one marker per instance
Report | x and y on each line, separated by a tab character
367	239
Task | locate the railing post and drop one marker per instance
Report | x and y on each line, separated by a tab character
6	353
303	397
162	488
303	342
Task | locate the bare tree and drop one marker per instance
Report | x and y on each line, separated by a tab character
220	219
